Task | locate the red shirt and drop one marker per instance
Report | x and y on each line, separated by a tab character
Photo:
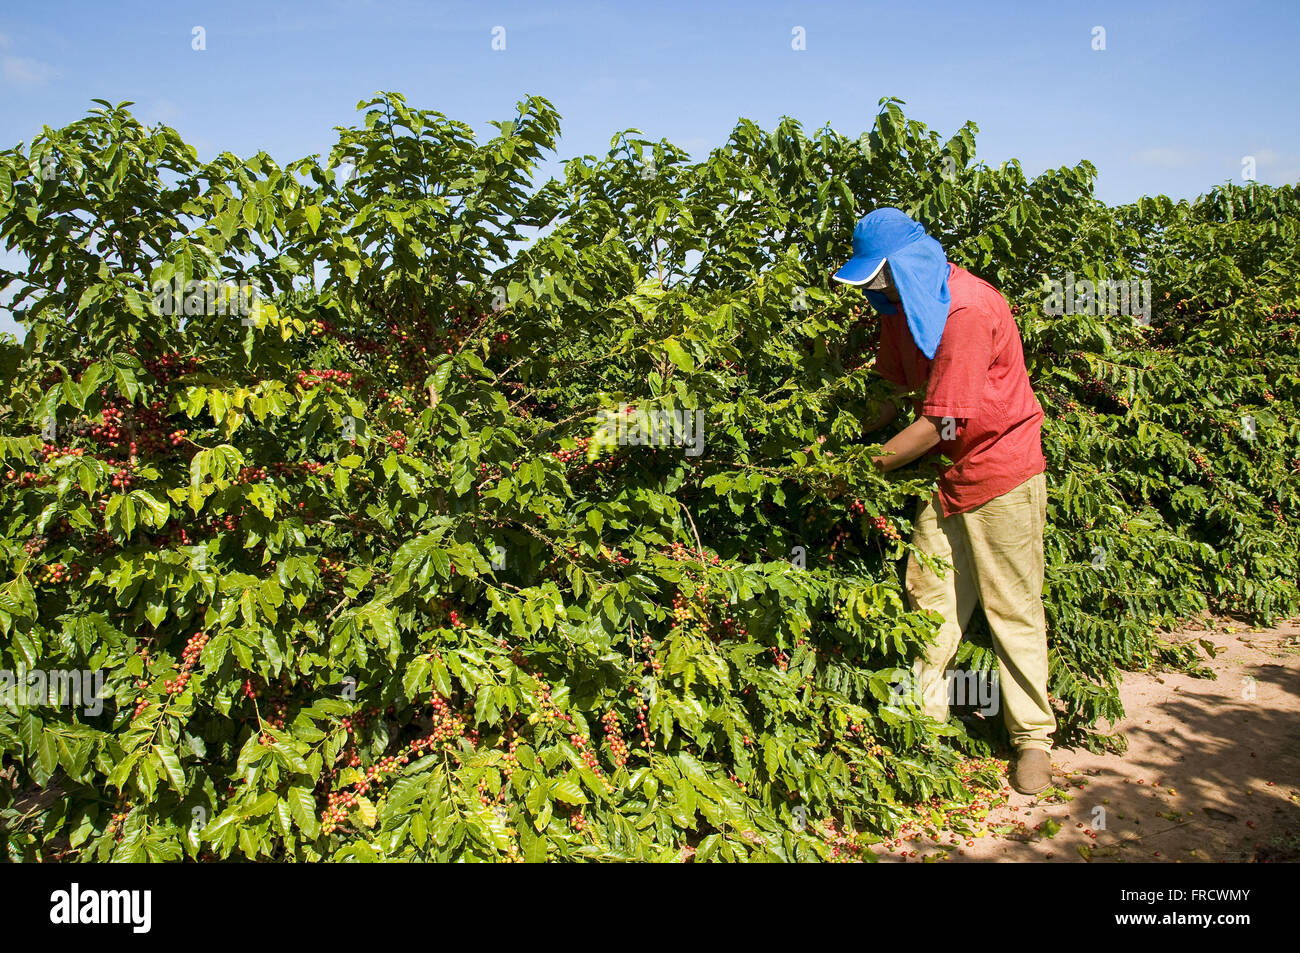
978	378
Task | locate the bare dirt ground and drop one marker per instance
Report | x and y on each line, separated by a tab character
1211	774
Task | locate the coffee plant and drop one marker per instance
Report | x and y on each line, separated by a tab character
317	467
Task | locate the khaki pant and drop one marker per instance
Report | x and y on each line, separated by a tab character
997	552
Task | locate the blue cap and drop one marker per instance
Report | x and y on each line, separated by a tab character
876	235
917	265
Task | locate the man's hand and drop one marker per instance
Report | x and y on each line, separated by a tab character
888	411
908	444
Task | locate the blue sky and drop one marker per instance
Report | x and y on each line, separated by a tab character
1181	94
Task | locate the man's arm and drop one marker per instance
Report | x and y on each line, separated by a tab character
909	443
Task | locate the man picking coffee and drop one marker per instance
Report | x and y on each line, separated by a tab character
951	337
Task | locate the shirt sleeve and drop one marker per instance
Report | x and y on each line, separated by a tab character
960	371
889	363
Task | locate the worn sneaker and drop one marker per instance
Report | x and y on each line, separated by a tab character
1033	773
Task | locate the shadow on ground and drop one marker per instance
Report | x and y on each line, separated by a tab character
1212	771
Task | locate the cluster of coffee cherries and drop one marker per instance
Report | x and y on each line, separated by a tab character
488	476
189	658
650	663
216	524
860	733
396	403
250	475
615	556
338	805
837	537
167	367
176	535
546	710
109	431
844	846
549	713
618	749
511	758
116	821
643	719
35	545
447	724
316	377
681	609
579	452
885	527
53	573
782	660
381	769
143	433
140	686
274	719
123	477
332	566
584	746
679	553
49	451
27	478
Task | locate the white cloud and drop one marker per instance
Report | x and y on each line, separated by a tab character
26	72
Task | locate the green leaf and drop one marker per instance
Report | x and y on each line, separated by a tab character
172	768
679	355
302	806
568	791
